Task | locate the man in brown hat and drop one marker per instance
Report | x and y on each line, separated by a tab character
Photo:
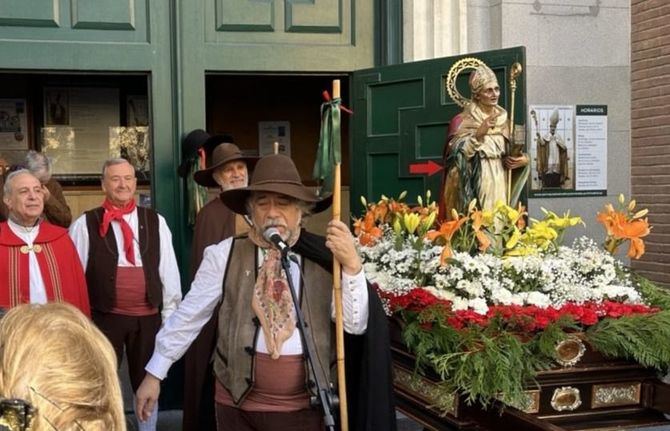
214	223
261	377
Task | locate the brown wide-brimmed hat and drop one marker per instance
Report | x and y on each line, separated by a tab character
222	154
274	173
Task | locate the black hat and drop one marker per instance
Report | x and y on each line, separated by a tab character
189	147
213	141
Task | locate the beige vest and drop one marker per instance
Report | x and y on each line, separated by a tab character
239	327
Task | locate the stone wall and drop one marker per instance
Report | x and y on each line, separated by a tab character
650	129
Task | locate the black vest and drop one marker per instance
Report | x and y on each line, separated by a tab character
103	257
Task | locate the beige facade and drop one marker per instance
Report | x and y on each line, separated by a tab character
578	52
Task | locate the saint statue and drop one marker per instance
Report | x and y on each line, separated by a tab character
477	153
552	155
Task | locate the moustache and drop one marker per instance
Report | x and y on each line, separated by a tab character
273	223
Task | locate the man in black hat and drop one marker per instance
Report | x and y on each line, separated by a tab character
214	223
193	157
261	378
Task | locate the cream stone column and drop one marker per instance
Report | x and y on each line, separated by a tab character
434	28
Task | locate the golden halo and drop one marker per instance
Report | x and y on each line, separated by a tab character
454	71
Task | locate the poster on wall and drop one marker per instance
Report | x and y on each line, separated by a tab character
568	155
76	133
56	106
591	142
13	124
270	132
137	110
132	144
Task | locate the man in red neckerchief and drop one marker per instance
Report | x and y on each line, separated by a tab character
129	299
38	262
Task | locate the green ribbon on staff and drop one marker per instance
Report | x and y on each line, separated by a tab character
330	145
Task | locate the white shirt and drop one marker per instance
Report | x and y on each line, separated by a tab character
38	292
179	331
168	270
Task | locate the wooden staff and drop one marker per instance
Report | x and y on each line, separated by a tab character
514	72
337	288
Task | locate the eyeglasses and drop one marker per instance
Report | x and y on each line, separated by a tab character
16	415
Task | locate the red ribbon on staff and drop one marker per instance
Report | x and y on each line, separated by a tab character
327	98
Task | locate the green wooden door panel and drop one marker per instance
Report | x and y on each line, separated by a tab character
103	14
48	27
384	179
314	16
386	101
282	35
36	13
402	113
245	15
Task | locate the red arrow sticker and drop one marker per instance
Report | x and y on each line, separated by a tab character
426	168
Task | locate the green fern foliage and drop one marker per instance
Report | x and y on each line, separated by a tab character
642	338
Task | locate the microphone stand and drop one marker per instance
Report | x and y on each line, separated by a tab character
324	396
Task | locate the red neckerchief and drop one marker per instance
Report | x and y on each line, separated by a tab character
115	213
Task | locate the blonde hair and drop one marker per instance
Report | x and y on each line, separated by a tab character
53	357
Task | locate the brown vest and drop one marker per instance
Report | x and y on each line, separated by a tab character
103	255
239	326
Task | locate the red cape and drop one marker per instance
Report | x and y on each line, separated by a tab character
59	264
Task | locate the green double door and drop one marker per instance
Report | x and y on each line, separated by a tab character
401	112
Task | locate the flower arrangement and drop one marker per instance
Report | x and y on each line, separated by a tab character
483	297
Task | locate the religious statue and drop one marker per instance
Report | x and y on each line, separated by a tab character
552	155
481	161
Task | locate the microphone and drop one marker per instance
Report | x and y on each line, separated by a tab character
272	236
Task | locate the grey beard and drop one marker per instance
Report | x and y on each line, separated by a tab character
227	186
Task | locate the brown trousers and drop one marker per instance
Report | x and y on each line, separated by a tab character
136	334
234	419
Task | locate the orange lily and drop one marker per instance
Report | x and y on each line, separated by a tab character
619	227
446	232
380	210
611	219
397	207
633	231
366	230
446	254
521	222
477	223
636	249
